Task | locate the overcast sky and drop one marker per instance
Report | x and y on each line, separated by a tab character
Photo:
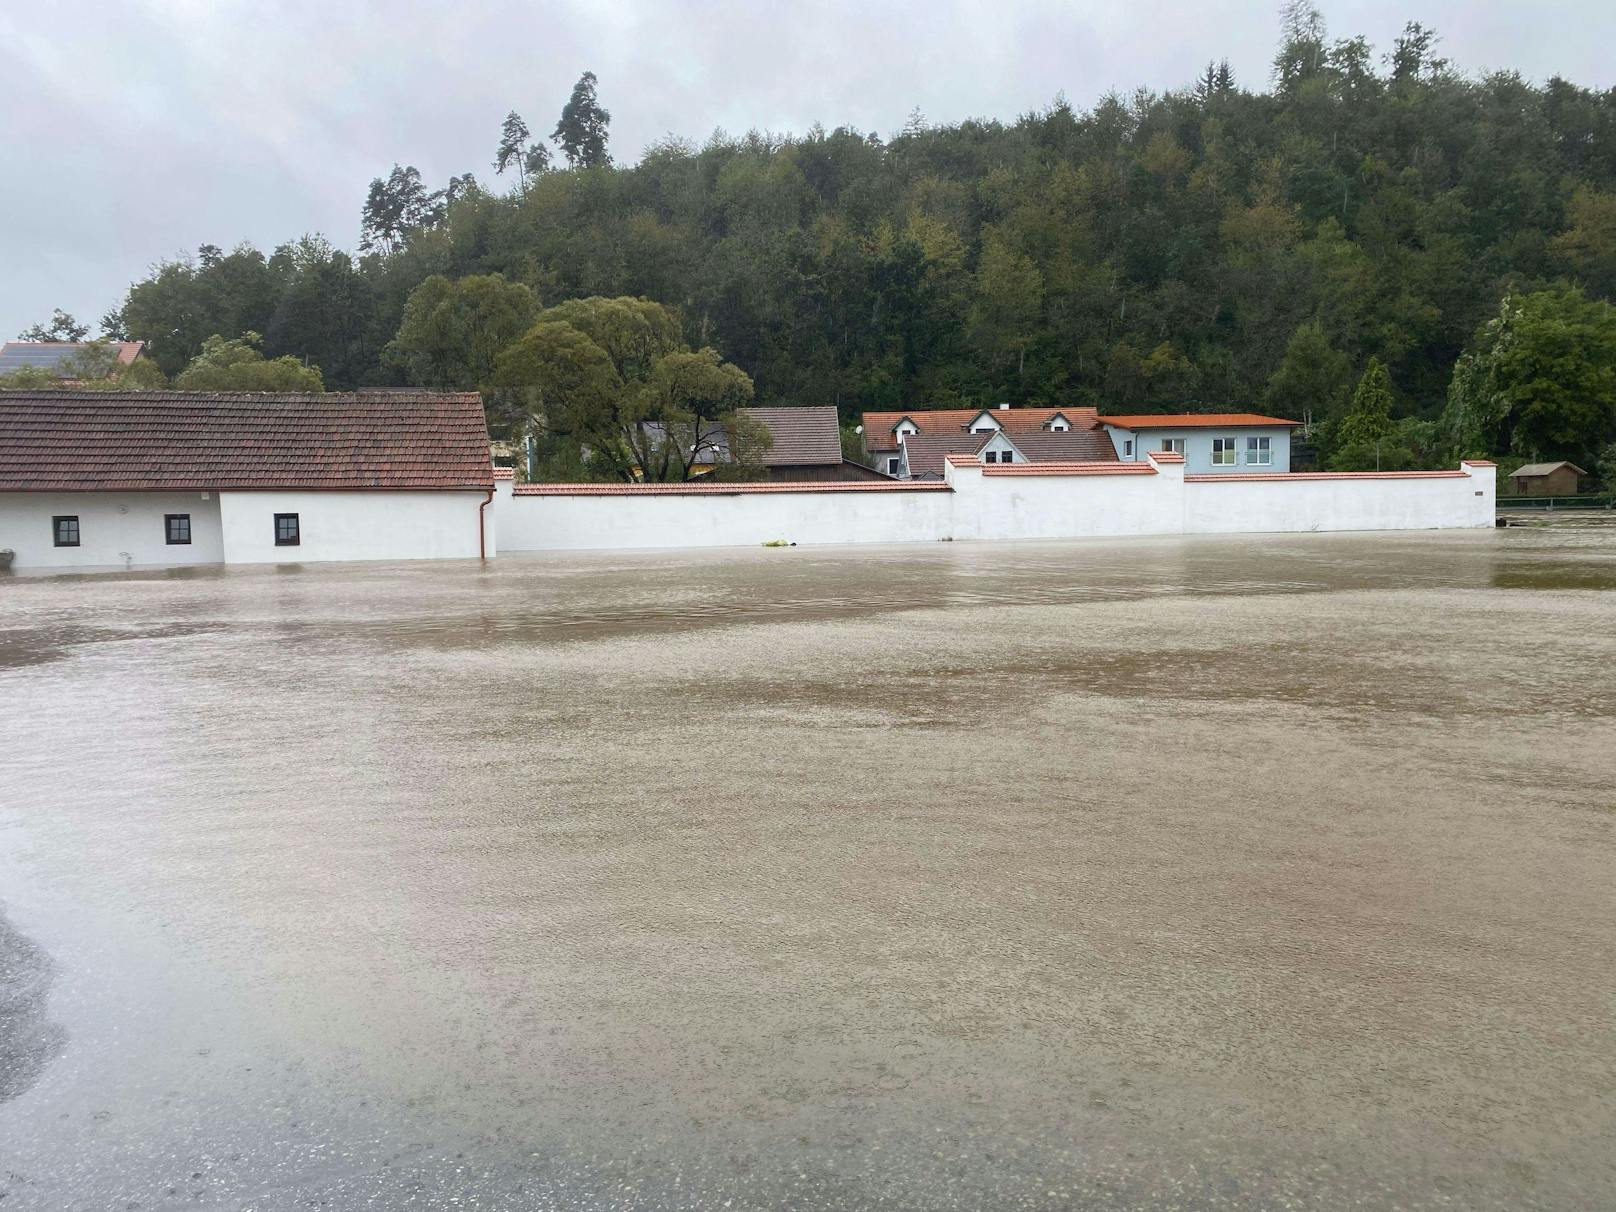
136	130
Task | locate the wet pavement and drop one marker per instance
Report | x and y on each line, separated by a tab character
1265	872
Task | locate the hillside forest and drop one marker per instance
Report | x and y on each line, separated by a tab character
1415	261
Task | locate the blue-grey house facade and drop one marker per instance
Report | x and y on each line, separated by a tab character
1212	443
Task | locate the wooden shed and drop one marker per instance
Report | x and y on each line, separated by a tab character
1547	479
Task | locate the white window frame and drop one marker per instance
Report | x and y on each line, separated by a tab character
894	466
1127	448
1222	447
1255	446
1172	445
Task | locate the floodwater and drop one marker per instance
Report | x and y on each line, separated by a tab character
1270	872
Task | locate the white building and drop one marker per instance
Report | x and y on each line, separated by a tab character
99	479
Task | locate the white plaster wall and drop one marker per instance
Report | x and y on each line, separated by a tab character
374	525
1359	503
1004	506
1020	506
116	529
579	522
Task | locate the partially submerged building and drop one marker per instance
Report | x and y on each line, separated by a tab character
912	445
108	478
1560	479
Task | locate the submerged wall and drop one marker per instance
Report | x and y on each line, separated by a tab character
375	525
116	529
1021	501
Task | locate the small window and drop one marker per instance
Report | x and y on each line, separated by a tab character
1127	449
1059	426
1223	452
894	466
66	530
992	456
286	530
1173	445
1260	451
1007	456
177	528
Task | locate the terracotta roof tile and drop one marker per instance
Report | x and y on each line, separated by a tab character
1291	477
1192	420
701	489
69	441
878	426
1069	469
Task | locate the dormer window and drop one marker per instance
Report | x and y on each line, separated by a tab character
1058	423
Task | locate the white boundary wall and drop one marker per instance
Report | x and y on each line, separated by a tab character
1025	501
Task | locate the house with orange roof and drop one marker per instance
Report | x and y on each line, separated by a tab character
1212	443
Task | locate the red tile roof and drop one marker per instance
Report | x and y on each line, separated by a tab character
1069	469
706	489
1192	420
1291	477
504	473
878	426
74	441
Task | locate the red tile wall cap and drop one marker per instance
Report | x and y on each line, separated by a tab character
1166	456
1069	469
1478	463
664	490
1289	477
504	473
962	460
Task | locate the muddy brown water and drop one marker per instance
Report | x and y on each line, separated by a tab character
1245	872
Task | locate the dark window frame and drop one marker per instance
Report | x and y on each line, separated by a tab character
288	538
56	530
169	519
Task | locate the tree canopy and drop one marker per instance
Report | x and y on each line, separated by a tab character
615	379
1218	246
239	365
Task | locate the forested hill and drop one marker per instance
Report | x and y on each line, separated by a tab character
1162	250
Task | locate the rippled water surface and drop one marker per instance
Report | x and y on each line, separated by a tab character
1245	872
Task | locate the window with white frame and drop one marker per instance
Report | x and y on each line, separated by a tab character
1223	452
1127	449
1172	445
894	466
1260	451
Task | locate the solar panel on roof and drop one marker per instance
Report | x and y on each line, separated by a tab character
20	355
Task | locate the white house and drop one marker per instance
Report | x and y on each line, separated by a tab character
97	479
1212	443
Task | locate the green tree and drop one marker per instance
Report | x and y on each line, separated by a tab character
1588	245
1361	440
580	132
1310	383
398	207
452	332
1539	379
516	150
1009	300
62	327
614	377
239	365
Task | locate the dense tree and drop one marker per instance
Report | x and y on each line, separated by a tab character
453	331
398	207
60	327
1213	247
1309	385
1539	379
614	379
239	365
580	132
